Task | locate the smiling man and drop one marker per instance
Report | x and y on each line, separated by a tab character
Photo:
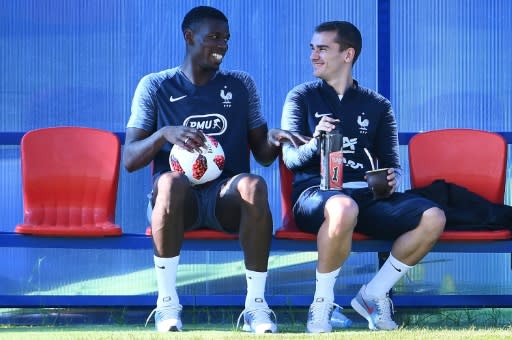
179	106
337	102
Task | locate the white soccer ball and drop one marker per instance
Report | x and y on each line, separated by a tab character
199	167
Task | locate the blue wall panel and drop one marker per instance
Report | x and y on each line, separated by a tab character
451	64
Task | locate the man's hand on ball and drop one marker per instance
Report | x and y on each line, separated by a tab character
188	138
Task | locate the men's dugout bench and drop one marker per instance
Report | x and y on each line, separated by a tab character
288	238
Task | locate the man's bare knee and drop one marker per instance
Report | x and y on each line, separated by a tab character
433	222
341	214
342	207
170	182
252	188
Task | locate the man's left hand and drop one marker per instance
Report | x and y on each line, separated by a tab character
392	180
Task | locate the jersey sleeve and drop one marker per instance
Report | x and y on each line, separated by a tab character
293	119
143	110
255	116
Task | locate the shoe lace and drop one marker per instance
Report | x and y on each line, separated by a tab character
386	308
167	312
262	314
321	311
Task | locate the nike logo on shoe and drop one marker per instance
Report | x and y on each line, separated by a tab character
368	308
317	115
172	100
160	267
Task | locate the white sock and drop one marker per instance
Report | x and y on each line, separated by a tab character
166	269
255	288
392	271
325	285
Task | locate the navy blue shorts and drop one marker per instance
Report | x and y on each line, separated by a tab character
384	219
206	198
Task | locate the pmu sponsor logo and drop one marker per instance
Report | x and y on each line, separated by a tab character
212	124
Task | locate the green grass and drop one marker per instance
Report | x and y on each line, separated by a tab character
220	323
127	332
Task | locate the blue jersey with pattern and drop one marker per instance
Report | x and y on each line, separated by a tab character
227	107
366	121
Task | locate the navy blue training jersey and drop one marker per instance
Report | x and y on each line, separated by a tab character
227	107
366	121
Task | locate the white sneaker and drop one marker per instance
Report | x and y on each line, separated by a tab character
167	318
258	320
377	311
319	316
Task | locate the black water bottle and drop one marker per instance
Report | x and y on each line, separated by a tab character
331	161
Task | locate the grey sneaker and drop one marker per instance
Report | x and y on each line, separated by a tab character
376	310
258	320
319	316
167	318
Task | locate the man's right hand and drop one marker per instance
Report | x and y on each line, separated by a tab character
188	138
326	124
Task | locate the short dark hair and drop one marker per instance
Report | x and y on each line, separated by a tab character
347	35
198	14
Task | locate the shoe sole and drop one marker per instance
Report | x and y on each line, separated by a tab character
172	329
247	328
318	332
363	312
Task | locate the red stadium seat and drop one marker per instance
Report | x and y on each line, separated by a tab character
70	178
288	228
204	234
474	159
